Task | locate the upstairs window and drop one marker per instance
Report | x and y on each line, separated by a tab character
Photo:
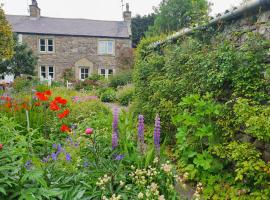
106	47
46	45
84	73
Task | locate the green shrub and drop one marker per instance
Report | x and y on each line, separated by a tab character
22	84
125	94
120	79
108	95
42	88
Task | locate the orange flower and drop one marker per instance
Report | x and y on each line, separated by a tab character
54	106
48	93
60	100
63	114
65	128
41	96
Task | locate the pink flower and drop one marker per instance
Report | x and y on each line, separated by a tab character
89	131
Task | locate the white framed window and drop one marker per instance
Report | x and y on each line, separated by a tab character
47	71
46	45
106	47
106	72
84	73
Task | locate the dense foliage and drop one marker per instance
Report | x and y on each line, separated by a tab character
22	62
172	15
139	26
214	96
6	37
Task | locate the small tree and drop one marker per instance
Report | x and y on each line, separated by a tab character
139	25
173	15
6	40
22	62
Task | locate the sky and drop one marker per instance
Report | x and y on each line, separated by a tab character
96	9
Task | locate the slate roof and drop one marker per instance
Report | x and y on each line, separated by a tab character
65	26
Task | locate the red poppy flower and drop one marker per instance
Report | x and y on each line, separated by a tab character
48	93
54	106
1	147
63	114
60	100
65	128
41	96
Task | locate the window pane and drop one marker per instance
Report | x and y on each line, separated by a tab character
102	47
42	45
43	69
82	76
110	47
42	42
51	69
102	71
86	71
50	48
82	70
50	45
110	71
50	42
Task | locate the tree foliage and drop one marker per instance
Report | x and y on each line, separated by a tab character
139	25
6	40
173	15
22	62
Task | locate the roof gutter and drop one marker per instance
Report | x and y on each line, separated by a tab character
251	6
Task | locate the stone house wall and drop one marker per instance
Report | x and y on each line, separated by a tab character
75	51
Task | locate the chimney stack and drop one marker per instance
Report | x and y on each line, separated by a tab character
34	9
127	18
127	14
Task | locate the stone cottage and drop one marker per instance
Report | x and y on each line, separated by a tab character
85	46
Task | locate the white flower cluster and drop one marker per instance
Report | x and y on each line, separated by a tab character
198	191
102	181
151	192
167	168
140	176
114	197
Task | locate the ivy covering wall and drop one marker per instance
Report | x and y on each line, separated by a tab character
212	93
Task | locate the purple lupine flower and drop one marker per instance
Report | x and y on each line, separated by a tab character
54	156
68	157
115	121
28	165
157	135
54	146
59	148
119	157
115	133
114	140
141	133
